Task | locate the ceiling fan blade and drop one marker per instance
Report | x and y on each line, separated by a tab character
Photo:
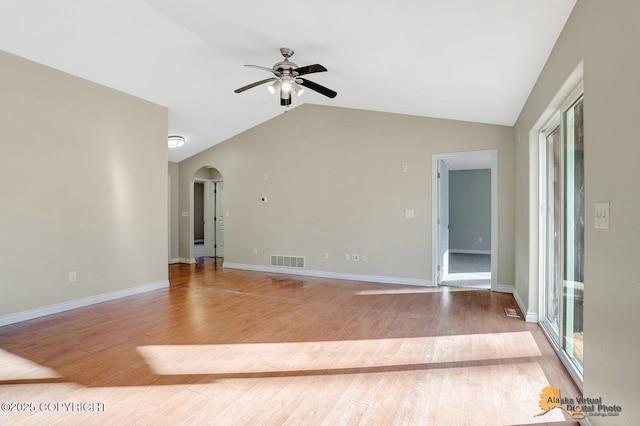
310	69
318	88
277	73
252	85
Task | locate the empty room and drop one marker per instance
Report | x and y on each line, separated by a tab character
409	213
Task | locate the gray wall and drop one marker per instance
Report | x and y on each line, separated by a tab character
335	184
84	188
606	36
470	210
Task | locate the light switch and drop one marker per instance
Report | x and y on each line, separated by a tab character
184	214
602	215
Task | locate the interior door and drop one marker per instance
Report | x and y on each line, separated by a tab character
219	214
443	220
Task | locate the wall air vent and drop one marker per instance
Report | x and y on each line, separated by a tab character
280	261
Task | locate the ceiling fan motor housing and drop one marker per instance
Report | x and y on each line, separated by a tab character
286	52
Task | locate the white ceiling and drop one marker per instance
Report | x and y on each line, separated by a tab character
473	60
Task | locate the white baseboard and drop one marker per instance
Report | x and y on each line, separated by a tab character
463	251
528	316
333	275
79	303
183	260
501	288
174	260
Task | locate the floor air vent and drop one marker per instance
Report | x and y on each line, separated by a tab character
510	312
279	261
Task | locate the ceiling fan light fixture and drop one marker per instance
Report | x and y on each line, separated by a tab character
286	86
275	87
175	141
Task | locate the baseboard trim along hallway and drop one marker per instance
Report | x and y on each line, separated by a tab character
79	303
333	275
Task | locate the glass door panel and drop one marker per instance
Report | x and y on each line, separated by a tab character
573	243
553	225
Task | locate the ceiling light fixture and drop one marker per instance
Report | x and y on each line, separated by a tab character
175	141
275	87
285	86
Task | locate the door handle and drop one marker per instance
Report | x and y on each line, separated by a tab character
449	226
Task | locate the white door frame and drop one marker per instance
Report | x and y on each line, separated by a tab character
442	267
218	215
435	207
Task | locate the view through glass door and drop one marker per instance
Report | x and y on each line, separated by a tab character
564	221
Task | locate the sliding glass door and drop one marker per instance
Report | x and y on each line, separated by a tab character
574	233
563	224
553	242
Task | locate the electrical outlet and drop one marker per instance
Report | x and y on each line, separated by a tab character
409	214
405	168
355	257
602	215
73	276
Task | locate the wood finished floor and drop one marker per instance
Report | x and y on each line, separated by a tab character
228	347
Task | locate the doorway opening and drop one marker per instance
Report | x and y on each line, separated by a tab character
465	203
208	214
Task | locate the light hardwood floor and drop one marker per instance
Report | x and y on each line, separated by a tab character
228	347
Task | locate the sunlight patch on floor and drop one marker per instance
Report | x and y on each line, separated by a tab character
501	394
413	290
14	367
307	357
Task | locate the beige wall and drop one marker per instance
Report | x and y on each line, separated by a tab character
84	188
335	184
606	35
173	212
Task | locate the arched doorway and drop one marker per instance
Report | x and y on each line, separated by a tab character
208	213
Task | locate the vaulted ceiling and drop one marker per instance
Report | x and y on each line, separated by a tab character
473	60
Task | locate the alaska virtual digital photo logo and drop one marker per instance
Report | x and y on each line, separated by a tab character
578	408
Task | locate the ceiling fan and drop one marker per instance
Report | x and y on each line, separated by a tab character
287	79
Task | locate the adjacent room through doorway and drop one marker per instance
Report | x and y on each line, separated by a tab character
208	214
464	204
